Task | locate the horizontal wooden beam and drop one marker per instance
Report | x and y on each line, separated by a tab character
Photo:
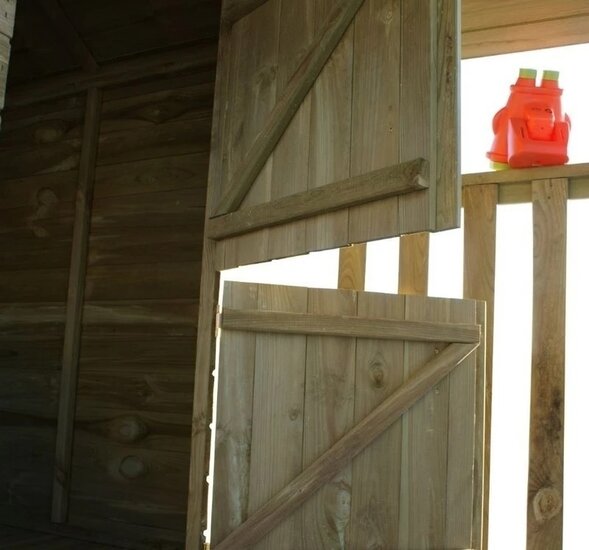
287	106
519	175
377	185
347	327
263	520
192	58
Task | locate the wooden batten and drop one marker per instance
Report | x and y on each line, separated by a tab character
74	308
373	186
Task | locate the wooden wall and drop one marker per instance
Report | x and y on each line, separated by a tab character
134	399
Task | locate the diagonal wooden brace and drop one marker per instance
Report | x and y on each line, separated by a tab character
263	520
302	81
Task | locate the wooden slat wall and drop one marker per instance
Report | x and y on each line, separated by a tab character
351	377
349	123
36	216
131	444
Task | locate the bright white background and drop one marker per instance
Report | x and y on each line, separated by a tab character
485	88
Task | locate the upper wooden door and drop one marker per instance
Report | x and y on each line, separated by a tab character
348	420
7	11
337	124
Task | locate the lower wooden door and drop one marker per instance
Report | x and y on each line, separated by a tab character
347	420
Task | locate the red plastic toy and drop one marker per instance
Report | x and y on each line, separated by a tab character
531	129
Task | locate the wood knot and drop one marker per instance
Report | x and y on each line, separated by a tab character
294	413
128	429
377	375
132	467
547	503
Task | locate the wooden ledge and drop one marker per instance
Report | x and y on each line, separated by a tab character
515	175
347	326
373	186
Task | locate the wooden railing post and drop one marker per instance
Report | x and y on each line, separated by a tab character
480	229
414	264
546	462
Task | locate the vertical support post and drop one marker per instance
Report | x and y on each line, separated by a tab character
545	478
414	264
480	232
352	267
74	308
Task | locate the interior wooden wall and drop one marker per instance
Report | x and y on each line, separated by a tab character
134	400
7	11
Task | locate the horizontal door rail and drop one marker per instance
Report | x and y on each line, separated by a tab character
348	327
377	185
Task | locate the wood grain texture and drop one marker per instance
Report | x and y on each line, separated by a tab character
480	228
359	437
331	108
414	264
545	478
290	159
318	201
375	511
417	121
328	416
352	267
256	43
375	111
202	406
346	325
74	308
320	51
234	421
277	423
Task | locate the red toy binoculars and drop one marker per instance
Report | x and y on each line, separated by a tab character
531	129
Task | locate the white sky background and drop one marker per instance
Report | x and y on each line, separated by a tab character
484	90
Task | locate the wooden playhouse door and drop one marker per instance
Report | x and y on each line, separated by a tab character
347	420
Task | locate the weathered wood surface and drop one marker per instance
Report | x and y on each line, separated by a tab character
373	186
546	462
414	264
7	11
346	325
519	25
12	538
450	520
345	124
480	228
74	308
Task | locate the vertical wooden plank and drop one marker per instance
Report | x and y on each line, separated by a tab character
277	429
545	478
480	232
375	111
208	297
425	434
352	267
461	442
329	414
255	41
414	264
331	104
418	107
74	308
290	164
376	473
235	382
447	131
